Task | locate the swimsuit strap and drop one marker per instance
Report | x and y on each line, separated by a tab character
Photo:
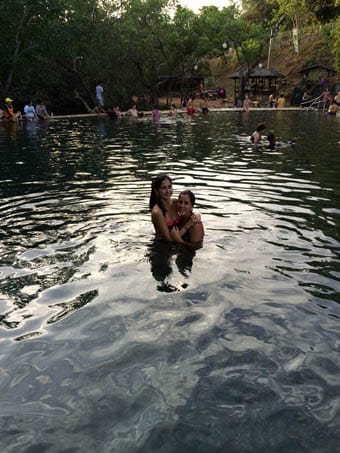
172	223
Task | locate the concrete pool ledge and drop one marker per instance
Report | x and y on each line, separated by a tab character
183	111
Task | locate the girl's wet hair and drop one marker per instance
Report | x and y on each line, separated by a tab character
191	196
260	127
155	185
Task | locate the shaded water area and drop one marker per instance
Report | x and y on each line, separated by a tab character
111	342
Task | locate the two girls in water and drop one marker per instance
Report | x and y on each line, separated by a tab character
173	219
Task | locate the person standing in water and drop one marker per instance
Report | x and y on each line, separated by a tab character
30	113
173	110
156	114
133	112
256	135
188	231
164	211
163	207
246	103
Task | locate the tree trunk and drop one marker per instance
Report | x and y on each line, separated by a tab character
23	22
82	100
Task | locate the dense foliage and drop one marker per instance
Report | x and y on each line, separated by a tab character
58	49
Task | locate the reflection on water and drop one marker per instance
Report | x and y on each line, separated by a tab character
113	341
165	258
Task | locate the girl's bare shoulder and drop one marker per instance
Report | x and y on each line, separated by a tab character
156	210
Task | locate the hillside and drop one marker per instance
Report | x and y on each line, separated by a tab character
312	50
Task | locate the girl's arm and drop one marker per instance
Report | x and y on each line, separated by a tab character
196	232
194	219
176	236
159	223
186	227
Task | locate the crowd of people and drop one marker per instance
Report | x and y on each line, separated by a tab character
31	112
331	103
200	100
246	104
325	97
173	218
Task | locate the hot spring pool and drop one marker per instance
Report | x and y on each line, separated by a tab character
111	342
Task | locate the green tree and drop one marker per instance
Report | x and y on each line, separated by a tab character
59	49
248	39
320	11
144	29
87	48
260	11
336	37
27	25
323	10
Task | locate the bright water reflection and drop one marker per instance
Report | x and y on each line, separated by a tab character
112	342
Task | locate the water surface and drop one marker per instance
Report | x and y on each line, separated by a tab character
112	342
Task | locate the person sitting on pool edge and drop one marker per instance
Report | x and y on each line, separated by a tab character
193	231
8	111
256	135
163	208
42	111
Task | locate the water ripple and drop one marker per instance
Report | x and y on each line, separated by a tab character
127	344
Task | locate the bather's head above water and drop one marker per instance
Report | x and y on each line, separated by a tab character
161	189
185	203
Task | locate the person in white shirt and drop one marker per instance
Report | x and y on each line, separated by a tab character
99	94
30	113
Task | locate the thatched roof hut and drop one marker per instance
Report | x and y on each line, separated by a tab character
257	73
319	69
260	81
